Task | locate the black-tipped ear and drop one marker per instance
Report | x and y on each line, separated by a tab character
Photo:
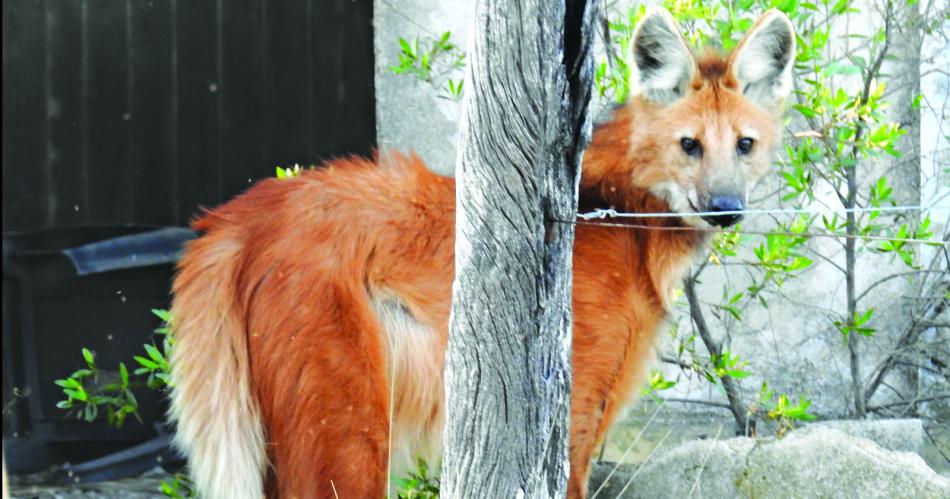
662	63
762	64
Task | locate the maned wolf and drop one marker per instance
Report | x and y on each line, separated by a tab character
304	293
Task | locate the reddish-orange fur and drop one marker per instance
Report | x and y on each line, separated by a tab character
295	267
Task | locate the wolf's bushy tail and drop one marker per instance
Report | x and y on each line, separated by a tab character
213	402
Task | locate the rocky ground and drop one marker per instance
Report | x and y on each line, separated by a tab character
818	462
146	486
696	456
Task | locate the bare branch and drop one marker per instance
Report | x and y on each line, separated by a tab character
908	337
711	403
715	349
894	276
911	403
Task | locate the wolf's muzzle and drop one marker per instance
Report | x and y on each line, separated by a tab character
727	204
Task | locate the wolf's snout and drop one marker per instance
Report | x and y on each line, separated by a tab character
727	204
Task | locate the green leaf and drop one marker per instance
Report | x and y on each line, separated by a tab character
858	61
406	48
861	319
76	394
733	311
154	353
805	111
68	383
111	387
145	362
162	314
90	413
90	359
119	419
81	373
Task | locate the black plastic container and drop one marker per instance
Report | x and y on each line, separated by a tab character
49	314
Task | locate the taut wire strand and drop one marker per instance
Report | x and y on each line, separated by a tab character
714	230
611	213
597	217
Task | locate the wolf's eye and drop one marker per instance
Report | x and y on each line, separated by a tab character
744	146
691	147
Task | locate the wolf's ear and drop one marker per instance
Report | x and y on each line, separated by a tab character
762	63
662	63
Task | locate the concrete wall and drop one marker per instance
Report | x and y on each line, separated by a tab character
410	115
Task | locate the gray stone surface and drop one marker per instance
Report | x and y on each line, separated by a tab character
906	435
820	462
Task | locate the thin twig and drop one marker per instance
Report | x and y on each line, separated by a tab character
912	402
643	464
710	403
715	350
899	274
671	360
624	455
907	338
705	461
936	445
825	258
924	368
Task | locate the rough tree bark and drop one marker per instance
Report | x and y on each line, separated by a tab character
525	125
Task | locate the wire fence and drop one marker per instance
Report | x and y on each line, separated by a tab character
598	218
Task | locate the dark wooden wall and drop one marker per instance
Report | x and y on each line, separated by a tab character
139	111
124	114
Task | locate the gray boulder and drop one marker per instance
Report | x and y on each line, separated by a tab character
906	435
820	462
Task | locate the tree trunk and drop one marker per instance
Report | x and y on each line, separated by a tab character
508	366
903	173
904	78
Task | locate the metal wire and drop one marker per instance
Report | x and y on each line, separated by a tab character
611	213
594	218
760	233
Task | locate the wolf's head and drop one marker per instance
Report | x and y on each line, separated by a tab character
703	129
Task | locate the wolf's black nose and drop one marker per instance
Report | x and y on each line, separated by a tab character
725	204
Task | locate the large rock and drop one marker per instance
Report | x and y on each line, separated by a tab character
906	435
820	462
